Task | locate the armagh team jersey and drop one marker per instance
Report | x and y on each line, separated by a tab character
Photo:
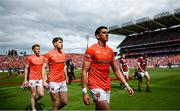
56	61
143	63
124	64
35	64
101	59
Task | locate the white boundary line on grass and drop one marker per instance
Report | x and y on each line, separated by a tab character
10	87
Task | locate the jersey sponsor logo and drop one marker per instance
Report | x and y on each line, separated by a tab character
98	94
52	88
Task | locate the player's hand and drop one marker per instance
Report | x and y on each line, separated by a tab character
25	83
45	84
86	99
67	80
130	91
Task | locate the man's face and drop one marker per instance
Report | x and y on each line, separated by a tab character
103	35
36	50
59	44
123	55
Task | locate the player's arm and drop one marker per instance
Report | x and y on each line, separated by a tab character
44	75
65	73
121	68
121	77
26	73
84	79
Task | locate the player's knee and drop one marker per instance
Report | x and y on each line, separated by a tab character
41	94
33	94
148	78
56	104
140	80
63	103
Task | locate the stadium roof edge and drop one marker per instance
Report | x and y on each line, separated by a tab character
159	21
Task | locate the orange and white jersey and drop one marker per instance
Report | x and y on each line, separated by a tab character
101	59
56	62
35	64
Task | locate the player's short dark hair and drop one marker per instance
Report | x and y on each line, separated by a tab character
35	45
99	29
56	39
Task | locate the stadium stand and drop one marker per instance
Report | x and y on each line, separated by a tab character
18	62
77	59
158	37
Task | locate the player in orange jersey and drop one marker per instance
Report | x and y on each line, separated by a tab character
96	68
57	77
34	65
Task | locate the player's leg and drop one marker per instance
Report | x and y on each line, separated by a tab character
139	85
54	92
63	94
40	92
73	75
140	79
102	105
70	77
64	99
148	81
101	99
33	98
56	100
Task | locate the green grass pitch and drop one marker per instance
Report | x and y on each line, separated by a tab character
165	93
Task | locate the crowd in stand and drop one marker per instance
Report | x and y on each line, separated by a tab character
14	62
153	37
158	42
161	60
18	62
77	59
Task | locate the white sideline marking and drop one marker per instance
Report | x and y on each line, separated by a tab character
10	87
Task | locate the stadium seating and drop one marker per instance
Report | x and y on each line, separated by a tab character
18	62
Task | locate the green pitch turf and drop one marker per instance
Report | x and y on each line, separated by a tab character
165	94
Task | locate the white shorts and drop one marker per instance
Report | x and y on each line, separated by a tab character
34	83
55	87
125	73
100	94
142	74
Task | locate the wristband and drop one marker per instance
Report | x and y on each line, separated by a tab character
84	90
126	85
